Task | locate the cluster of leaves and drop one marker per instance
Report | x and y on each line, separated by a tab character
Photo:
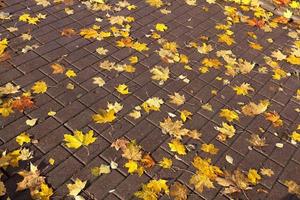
138	161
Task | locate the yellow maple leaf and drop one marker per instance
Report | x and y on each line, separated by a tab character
33	20
166	163
205	175
160	74
161	27
230	115
123	89
209	148
158	185
226	131
79	139
243	89
104	116
3	45
177	99
253	176
185	114
155	3
279	74
24	17
211	63
133	59
51	161
255	46
23	138
6	109
70	73
132	166
153	103
39	87
252	109
176	146
293	60
102	169
76	187
140	46
295	136
45	192
89	33
225	38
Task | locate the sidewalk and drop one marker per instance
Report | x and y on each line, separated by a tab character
192	99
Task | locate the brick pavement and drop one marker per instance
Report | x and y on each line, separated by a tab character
75	107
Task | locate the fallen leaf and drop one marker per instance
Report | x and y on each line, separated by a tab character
23	138
177	99
229	115
253	109
123	89
57	68
102	169
75	188
39	87
31	122
176	146
178	191
166	163
209	148
98	81
79	139
229	159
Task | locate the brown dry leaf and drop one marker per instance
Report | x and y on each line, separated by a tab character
234	182
256	141
274	118
132	151
31	179
147	161
120	143
68	32
57	68
22	103
178	191
177	99
5	56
